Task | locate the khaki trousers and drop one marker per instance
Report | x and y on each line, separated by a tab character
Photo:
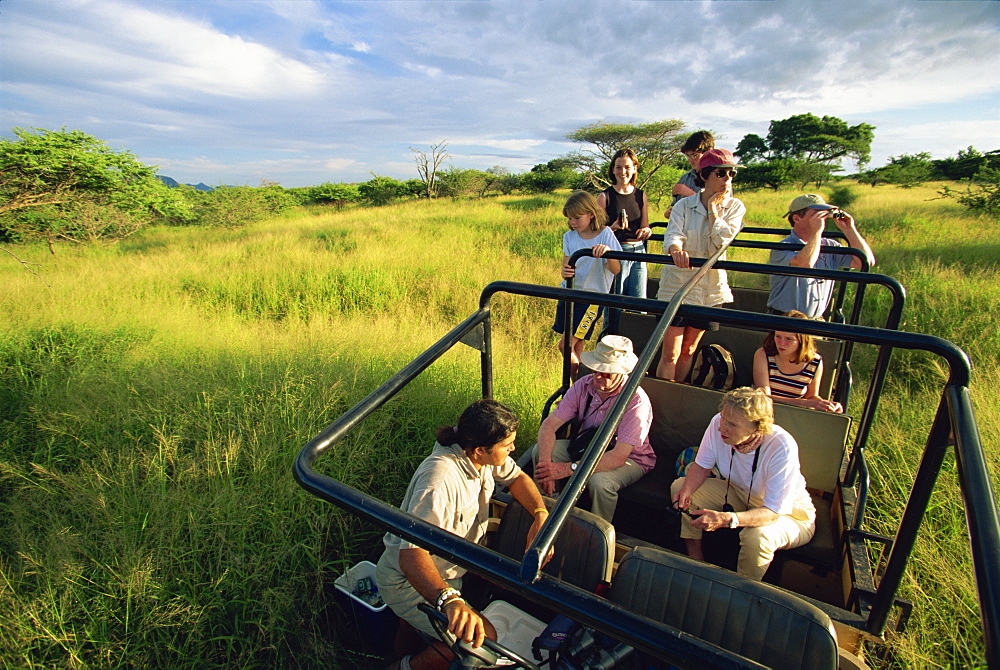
603	487
757	545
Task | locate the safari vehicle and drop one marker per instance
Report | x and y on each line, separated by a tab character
819	603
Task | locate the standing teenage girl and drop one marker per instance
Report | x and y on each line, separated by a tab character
625	206
699	226
586	231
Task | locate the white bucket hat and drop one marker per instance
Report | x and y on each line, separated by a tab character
613	355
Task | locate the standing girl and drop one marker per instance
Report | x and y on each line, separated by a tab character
586	231
625	206
699	226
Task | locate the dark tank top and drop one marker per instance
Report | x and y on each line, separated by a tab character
615	202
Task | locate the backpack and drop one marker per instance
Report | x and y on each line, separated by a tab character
713	368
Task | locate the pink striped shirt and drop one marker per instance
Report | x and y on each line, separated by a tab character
635	424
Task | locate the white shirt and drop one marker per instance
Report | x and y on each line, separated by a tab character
777	484
591	273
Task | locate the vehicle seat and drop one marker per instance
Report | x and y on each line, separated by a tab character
584	549
750	618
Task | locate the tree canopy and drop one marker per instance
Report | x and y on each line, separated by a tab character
54	182
823	140
803	148
655	144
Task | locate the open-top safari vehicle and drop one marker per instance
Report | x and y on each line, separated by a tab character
818	603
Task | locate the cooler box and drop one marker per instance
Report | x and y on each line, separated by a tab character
376	623
515	629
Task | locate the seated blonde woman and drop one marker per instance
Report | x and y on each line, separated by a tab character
789	370
763	492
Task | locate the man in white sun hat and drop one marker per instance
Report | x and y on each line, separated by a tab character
808	214
628	458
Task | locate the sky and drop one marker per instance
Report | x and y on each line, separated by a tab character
303	92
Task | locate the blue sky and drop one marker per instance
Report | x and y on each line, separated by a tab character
307	91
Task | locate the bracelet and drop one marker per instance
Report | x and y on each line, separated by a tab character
540	509
445	595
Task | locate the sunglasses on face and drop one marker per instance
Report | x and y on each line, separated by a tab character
725	172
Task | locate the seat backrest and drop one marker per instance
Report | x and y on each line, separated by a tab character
584	549
755	620
749	299
681	413
822	439
741	343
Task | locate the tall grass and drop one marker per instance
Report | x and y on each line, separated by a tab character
154	393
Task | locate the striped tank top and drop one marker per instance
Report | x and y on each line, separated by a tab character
791	386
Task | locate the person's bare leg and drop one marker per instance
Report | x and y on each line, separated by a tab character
688	347
671	349
574	358
693	547
435	656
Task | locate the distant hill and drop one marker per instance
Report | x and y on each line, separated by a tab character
172	183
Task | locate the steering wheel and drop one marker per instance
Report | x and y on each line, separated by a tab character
484	656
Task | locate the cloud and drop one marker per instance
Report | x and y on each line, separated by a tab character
115	46
358	82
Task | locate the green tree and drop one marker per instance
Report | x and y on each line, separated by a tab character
906	170
337	195
966	164
982	194
771	174
655	144
822	140
381	190
802	149
69	185
233	206
752	148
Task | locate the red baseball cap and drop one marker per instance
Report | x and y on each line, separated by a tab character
717	158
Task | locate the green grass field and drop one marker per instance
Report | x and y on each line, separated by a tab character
154	393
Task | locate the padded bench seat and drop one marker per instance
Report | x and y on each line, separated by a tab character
755	620
680	415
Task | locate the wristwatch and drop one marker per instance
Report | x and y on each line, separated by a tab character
572	467
734	522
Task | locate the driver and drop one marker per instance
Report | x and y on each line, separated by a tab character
451	489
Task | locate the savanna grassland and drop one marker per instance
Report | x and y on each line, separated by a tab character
154	393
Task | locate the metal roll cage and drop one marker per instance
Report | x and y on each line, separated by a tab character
954	425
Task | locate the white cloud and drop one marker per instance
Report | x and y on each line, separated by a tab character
131	49
502	82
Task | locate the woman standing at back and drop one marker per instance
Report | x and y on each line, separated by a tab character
699	226
628	217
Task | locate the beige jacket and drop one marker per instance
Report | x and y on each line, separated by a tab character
690	229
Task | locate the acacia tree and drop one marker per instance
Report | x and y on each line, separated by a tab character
803	148
655	144
69	185
427	166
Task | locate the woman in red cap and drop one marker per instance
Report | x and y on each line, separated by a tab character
699	226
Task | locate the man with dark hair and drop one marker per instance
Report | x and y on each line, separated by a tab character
695	145
807	215
451	489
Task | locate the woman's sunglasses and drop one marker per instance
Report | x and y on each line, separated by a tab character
725	172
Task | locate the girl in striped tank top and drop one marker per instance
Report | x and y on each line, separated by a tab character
789	370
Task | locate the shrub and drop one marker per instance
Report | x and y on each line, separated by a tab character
982	194
842	196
